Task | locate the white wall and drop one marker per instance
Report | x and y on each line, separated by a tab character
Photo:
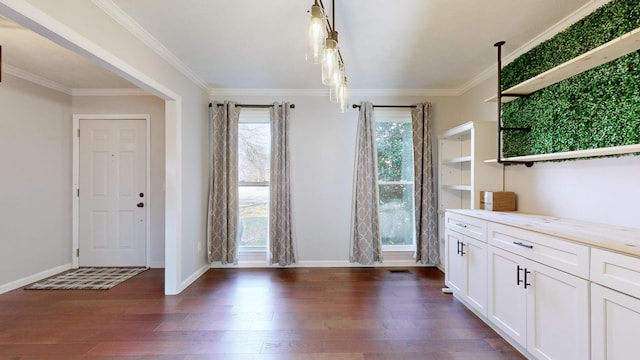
35	185
322	155
155	108
603	190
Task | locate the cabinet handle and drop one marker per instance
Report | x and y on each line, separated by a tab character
523	244
461	225
518	281
458	249
526	272
462	253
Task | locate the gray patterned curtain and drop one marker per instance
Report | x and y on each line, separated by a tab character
222	214
366	245
280	228
426	217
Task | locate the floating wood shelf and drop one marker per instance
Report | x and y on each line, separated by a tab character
457	187
457	160
612	50
613	150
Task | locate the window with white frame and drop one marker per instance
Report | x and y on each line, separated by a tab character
394	144
254	150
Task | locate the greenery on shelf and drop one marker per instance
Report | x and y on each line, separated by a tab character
598	108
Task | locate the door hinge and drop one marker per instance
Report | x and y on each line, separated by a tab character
78	192
78	252
78	132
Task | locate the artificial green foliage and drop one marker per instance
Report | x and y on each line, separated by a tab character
595	109
601	26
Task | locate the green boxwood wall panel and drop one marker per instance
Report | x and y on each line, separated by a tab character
598	108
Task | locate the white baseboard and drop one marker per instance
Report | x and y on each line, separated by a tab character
33	278
318	264
193	277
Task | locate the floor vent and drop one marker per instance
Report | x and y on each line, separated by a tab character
399	271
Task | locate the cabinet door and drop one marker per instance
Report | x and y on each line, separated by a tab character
454	266
615	318
476	274
557	314
506	298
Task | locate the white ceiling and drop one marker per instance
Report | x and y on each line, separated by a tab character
248	44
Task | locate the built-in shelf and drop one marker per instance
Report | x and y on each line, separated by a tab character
458	187
457	160
612	50
613	150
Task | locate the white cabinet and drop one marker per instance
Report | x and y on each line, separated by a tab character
615	311
542	308
462	172
466	260
615	318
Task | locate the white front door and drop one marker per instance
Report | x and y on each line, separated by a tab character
112	193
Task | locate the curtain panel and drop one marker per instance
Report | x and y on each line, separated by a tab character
426	210
281	244
366	244
222	213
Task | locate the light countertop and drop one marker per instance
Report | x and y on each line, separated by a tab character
610	237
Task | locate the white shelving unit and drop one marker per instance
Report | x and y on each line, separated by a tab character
462	170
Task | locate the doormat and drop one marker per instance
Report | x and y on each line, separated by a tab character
87	279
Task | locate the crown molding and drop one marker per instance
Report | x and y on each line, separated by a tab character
39	80
127	22
36	79
404	92
267	92
110	92
217	93
563	24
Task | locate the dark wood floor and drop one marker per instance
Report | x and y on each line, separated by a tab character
328	313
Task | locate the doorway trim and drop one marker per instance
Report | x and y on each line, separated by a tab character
75	229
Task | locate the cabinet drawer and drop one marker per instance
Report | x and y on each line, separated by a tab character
616	271
466	225
551	251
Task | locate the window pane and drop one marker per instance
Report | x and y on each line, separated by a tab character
396	214
254	218
395	151
254	148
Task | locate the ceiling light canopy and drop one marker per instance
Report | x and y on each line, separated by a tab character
323	48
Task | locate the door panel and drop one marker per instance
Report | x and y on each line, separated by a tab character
507	298
112	228
558	314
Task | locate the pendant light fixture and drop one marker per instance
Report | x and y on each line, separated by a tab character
317	34
327	53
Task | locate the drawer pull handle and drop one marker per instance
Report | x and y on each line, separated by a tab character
523	244
461	225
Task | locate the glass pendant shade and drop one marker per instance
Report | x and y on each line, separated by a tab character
336	83
343	95
316	34
330	58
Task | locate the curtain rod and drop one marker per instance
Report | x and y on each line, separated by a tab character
356	106
255	106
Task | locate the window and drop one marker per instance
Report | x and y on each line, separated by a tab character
395	179
254	150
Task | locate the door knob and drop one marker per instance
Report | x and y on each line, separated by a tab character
140	204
